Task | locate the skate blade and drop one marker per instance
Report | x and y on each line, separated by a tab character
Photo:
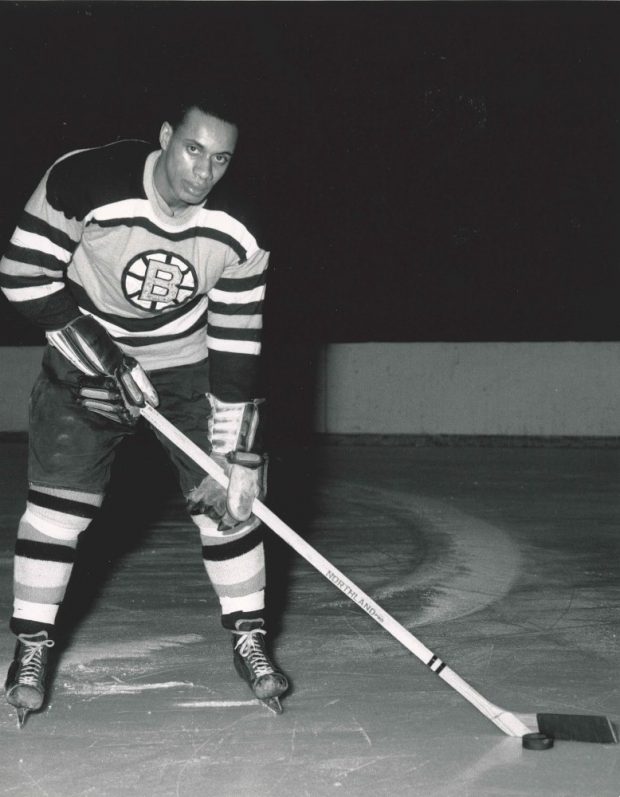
273	704
22	716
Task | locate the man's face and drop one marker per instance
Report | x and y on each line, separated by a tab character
195	156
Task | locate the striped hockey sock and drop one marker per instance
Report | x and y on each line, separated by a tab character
235	565
44	554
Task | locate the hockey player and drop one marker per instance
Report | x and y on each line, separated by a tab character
151	292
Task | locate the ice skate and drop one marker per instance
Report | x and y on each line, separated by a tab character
25	682
254	666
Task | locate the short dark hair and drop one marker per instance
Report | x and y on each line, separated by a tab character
223	103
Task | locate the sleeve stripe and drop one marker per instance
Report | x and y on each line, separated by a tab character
30	257
20	281
240	297
250	309
241	283
30	240
33	224
53	310
235	321
233	334
28	294
236	347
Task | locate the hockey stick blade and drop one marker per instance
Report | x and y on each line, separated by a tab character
572	727
578	728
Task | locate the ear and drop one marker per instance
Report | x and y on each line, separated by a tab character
165	134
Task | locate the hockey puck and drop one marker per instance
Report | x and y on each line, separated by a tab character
537	741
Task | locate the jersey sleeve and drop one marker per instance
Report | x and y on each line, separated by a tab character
33	269
234	328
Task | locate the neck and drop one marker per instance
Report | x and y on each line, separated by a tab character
160	185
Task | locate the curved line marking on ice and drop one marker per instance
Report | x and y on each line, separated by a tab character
478	567
216	703
118	688
85	653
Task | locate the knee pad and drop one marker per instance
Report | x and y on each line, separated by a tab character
59	514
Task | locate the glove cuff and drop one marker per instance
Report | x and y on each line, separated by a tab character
248	459
87	346
233	426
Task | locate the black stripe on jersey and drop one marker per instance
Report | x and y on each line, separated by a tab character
234	333
46	551
242	283
12	281
251	308
88	179
34	257
191	233
138	340
33	224
234	376
230	550
146	324
59	504
50	312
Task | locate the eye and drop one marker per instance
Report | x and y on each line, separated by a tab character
221	159
192	149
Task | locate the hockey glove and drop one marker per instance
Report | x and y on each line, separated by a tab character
232	434
114	385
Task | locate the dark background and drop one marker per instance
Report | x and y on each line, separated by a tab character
428	171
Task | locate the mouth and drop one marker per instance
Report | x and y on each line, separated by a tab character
196	190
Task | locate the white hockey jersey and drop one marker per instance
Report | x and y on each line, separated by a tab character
96	238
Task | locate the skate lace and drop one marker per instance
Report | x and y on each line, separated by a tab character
32	660
250	646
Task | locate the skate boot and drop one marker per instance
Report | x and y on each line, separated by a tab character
25	681
253	664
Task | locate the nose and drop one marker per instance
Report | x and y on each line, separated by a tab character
203	169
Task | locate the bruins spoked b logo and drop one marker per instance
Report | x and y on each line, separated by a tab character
154	280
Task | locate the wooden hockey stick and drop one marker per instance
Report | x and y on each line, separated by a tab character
574	727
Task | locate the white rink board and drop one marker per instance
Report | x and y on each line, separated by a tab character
19	366
531	389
